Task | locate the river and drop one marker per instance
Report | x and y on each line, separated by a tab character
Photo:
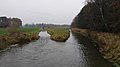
77	51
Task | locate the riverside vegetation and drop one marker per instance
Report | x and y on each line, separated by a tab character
59	34
100	20
11	36
108	42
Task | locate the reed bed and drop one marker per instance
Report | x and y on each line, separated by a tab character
59	34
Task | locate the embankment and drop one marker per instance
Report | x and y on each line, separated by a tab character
109	43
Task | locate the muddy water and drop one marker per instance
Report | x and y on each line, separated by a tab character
75	52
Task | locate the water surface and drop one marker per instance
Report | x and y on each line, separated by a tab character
77	51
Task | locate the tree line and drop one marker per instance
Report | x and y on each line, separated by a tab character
44	25
99	15
10	22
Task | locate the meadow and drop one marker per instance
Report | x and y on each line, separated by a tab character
3	31
26	30
59	34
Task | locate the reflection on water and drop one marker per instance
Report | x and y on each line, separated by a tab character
90	52
44	34
75	52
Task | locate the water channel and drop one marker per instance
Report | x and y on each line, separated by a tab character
77	51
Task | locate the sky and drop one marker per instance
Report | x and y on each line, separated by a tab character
41	11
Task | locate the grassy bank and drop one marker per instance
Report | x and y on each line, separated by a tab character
19	36
109	43
59	34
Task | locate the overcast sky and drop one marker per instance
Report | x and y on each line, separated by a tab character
38	11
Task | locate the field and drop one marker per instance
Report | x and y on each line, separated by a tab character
59	34
3	31
27	30
11	36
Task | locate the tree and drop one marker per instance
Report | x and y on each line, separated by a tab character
100	15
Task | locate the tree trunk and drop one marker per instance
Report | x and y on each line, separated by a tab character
102	16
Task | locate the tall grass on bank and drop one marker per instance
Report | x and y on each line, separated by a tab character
59	34
109	43
20	36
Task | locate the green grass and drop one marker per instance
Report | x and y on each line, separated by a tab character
59	34
30	30
3	31
27	30
58	30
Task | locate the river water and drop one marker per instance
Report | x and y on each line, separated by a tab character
77	51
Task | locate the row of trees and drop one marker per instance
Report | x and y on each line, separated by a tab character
43	25
10	22
100	15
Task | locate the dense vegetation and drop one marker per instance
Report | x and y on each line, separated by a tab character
59	34
10	22
99	15
19	36
100	20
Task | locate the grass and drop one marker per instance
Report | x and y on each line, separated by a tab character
29	30
11	36
3	31
109	43
26	30
59	34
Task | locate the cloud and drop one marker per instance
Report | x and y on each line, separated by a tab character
51	11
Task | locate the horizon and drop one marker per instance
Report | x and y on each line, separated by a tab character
39	11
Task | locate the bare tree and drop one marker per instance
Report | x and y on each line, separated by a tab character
101	13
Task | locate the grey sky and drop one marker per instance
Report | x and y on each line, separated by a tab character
38	11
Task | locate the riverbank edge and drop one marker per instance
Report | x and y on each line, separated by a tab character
20	42
109	43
